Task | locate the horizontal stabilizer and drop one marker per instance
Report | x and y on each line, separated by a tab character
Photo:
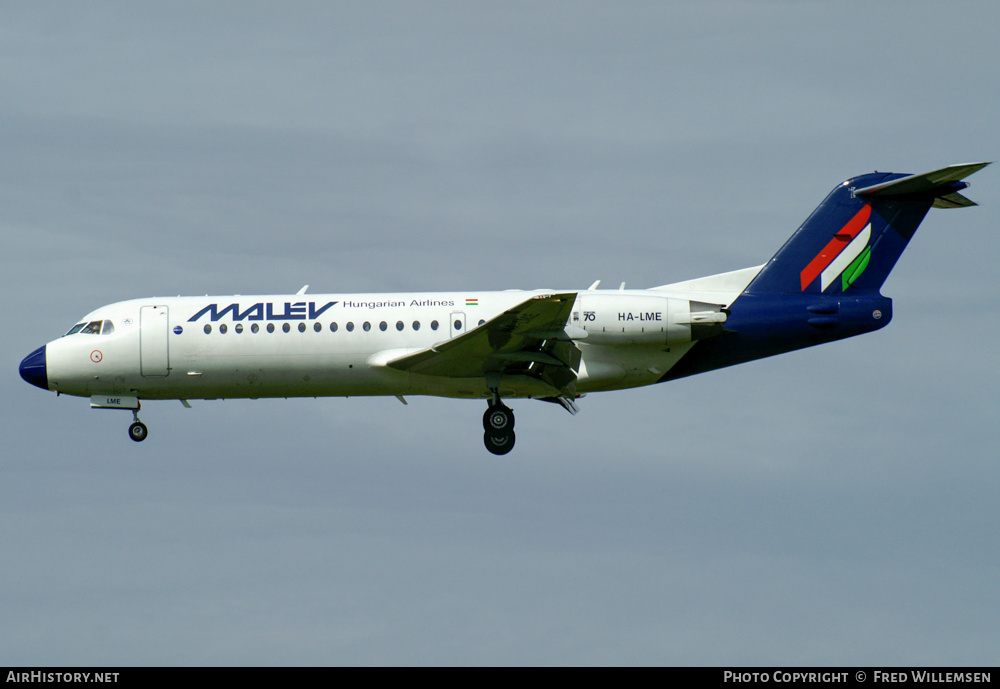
955	200
946	181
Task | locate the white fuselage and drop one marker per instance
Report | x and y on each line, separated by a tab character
339	345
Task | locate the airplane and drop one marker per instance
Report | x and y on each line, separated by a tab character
822	285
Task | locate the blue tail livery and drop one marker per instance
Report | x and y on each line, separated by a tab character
824	283
854	238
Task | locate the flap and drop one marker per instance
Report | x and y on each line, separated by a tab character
528	339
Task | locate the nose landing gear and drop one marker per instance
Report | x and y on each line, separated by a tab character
137	431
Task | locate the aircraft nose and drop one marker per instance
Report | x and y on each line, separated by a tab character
33	369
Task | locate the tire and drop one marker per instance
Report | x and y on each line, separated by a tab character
499	442
498	418
138	431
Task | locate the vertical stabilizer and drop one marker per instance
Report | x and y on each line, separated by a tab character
851	242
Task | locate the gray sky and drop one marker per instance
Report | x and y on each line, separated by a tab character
831	506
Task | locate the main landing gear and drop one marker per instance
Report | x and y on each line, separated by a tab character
498	422
137	431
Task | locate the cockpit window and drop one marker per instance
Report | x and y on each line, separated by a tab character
92	328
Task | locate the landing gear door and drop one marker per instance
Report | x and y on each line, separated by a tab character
457	323
153	348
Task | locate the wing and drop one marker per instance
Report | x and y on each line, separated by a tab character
529	339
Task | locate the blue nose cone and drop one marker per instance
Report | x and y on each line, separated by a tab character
33	369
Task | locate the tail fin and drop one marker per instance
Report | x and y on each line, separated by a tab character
853	239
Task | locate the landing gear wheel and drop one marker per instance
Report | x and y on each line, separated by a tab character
499	442
138	431
498	418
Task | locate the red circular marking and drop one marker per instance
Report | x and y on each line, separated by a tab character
96	356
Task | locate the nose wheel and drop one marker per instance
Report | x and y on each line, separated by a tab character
137	431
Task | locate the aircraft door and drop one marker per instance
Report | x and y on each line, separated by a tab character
457	323
153	348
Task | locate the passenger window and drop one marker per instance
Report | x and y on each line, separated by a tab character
254	328
416	325
208	329
382	326
108	328
270	327
399	326
367	326
302	327
458	324
350	327
223	328
333	327
317	327
482	322
239	328
434	325
286	328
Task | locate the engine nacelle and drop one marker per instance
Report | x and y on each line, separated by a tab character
612	318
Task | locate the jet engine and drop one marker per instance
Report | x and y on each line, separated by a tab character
624	318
